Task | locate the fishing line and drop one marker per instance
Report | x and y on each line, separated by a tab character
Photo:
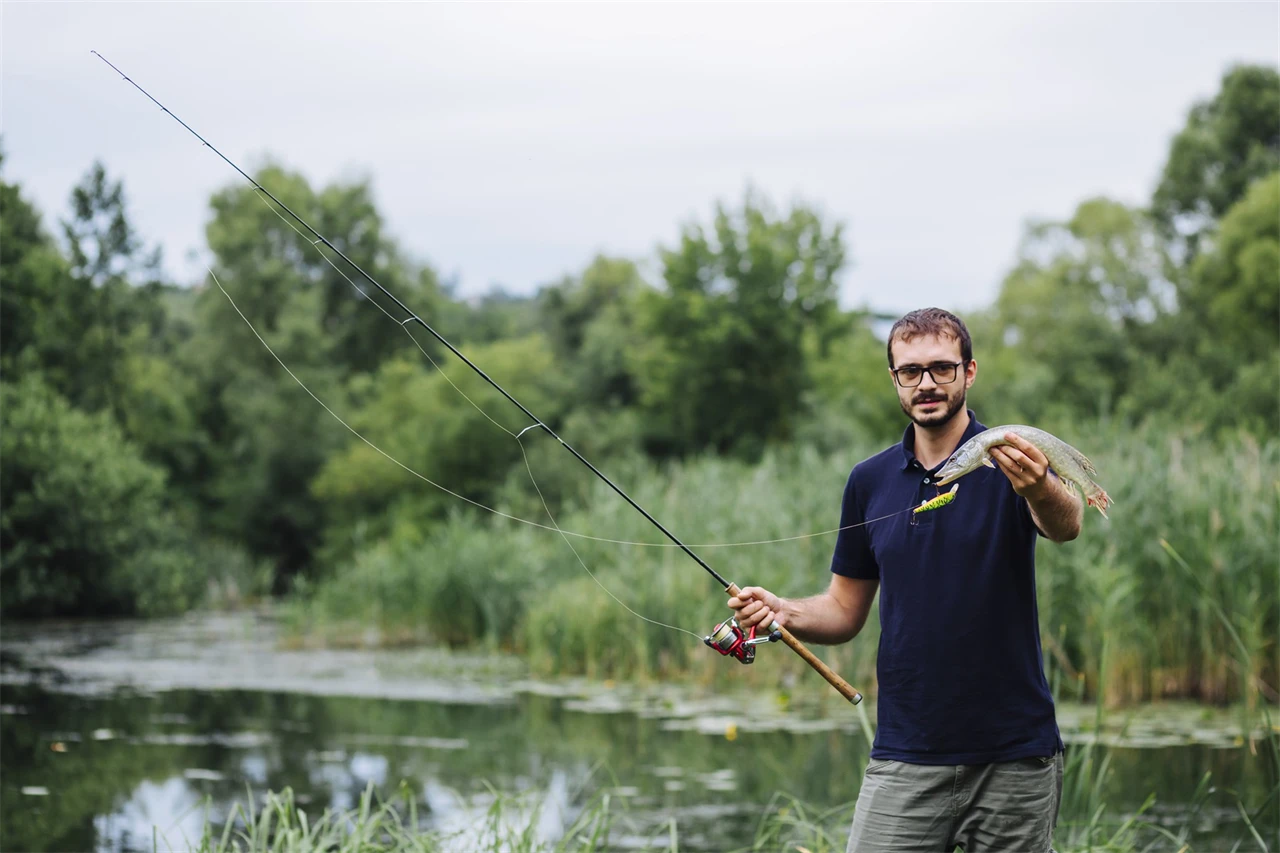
777	631
403	325
582	563
357	434
440	370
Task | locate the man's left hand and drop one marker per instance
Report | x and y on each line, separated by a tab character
1024	465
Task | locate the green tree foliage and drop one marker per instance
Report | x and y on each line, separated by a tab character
721	364
1235	286
120	311
267	438
1072	317
82	334
102	242
1228	142
85	527
1222	370
34	275
77	319
590	324
280	270
47	310
852	398
417	416
493	316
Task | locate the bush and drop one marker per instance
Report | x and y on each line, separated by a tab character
84	527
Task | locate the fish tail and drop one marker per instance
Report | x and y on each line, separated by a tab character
1098	498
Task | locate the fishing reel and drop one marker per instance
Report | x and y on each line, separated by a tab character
729	640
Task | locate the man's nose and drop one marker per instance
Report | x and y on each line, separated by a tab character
926	381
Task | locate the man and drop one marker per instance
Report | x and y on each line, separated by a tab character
967	750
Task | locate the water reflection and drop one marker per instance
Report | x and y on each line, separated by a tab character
172	752
170	809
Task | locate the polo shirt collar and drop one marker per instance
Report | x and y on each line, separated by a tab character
909	438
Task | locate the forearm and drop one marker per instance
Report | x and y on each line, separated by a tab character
1057	510
820	619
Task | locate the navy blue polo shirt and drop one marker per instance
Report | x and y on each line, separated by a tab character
961	678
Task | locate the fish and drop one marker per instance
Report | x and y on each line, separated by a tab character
1069	464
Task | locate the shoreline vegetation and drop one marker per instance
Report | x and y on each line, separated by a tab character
1183	550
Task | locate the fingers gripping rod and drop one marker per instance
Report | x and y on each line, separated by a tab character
842	686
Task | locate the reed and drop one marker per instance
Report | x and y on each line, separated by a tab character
489	581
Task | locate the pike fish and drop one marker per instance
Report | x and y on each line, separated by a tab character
1068	463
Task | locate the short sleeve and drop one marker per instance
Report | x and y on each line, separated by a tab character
853	557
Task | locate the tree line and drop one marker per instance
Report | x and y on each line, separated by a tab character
154	456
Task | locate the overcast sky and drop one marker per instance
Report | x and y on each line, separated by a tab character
508	143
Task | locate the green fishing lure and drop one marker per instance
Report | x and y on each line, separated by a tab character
940	501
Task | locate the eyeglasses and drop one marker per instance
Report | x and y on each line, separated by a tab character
911	375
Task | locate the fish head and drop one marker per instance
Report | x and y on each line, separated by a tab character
964	460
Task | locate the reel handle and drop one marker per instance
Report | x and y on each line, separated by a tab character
844	688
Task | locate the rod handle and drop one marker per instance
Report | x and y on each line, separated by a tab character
842	686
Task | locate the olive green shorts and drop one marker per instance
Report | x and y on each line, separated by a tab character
1010	807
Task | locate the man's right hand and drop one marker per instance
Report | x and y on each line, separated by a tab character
755	606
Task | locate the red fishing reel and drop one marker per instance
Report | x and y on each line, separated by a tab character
729	640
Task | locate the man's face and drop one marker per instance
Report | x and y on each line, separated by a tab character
932	402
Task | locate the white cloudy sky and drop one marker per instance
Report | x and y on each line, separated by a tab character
510	142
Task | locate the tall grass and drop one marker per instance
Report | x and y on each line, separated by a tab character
484	580
509	825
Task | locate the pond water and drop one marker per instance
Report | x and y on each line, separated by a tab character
126	736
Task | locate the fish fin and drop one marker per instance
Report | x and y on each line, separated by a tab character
986	460
1074	454
1083	460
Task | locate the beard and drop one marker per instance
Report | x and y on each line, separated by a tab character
951	406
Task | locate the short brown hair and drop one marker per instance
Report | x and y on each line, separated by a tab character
931	321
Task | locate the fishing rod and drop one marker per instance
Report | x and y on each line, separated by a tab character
727	638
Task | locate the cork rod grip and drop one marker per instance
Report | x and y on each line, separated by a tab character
810	658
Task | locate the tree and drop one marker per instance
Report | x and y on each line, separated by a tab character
721	363
74	321
103	244
85	526
34	276
1235	285
421	418
117	306
1228	143
1223	374
267	439
589	322
274	262
852	396
1073	317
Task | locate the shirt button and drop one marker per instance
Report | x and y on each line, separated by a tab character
926	479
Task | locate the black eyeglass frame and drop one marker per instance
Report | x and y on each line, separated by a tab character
954	365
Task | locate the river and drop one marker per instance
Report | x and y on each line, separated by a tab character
126	736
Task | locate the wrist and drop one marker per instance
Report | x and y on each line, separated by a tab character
784	613
1042	490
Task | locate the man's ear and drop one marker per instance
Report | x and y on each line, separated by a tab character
971	373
